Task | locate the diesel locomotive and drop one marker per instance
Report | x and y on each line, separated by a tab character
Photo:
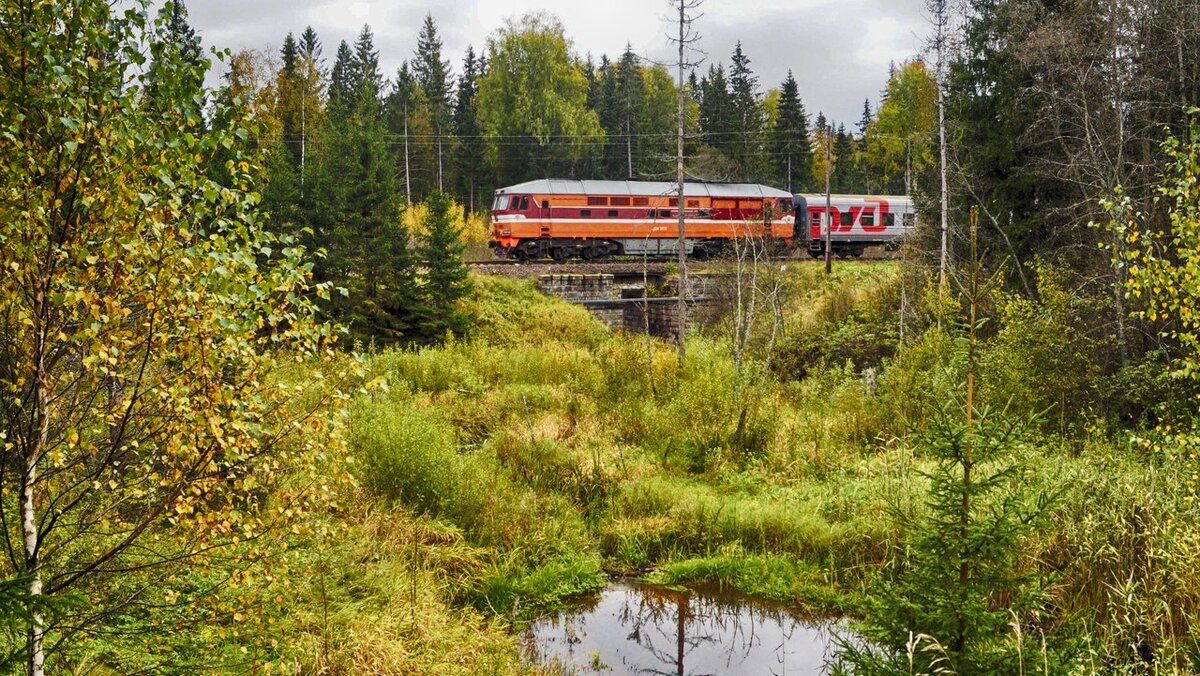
561	219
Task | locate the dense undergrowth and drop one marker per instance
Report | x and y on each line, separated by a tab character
498	475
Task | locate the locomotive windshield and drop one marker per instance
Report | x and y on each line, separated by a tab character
501	203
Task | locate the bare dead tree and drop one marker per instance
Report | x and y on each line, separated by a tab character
687	37
939	16
758	286
646	315
1109	85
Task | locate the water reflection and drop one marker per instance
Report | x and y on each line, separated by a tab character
645	629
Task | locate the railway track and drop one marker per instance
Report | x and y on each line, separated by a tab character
625	262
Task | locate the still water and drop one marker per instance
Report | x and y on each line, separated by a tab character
645	629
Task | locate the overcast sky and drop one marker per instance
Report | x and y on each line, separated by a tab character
839	50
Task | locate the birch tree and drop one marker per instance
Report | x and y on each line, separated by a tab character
143	307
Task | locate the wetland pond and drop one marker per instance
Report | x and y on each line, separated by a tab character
634	628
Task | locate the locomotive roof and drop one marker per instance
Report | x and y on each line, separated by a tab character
560	186
820	195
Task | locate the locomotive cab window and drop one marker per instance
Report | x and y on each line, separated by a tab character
501	203
545	204
524	204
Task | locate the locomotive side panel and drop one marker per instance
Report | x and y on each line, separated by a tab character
857	221
536	222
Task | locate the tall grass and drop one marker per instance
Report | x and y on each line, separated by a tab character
555	449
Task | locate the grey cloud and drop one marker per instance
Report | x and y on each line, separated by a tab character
837	50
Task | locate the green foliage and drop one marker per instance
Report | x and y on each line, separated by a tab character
367	594
432	74
904	132
847	176
1161	274
788	142
144	310
533	99
957	581
746	146
445	274
766	576
356	221
1041	362
470	176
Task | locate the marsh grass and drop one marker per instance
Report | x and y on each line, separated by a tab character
543	449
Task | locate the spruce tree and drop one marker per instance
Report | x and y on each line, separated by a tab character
410	123
630	102
286	86
608	110
845	175
748	120
860	154
341	81
181	34
716	110
310	45
359	226
948	603
590	74
432	74
300	108
289	54
446	278
368	79
357	206
470	152
789	146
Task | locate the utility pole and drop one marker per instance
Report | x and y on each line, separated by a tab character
628	146
828	218
908	168
407	182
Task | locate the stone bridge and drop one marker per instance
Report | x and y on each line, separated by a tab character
625	306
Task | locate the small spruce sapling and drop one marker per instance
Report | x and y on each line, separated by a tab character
957	585
446	276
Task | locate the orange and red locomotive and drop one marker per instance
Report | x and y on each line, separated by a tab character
561	219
